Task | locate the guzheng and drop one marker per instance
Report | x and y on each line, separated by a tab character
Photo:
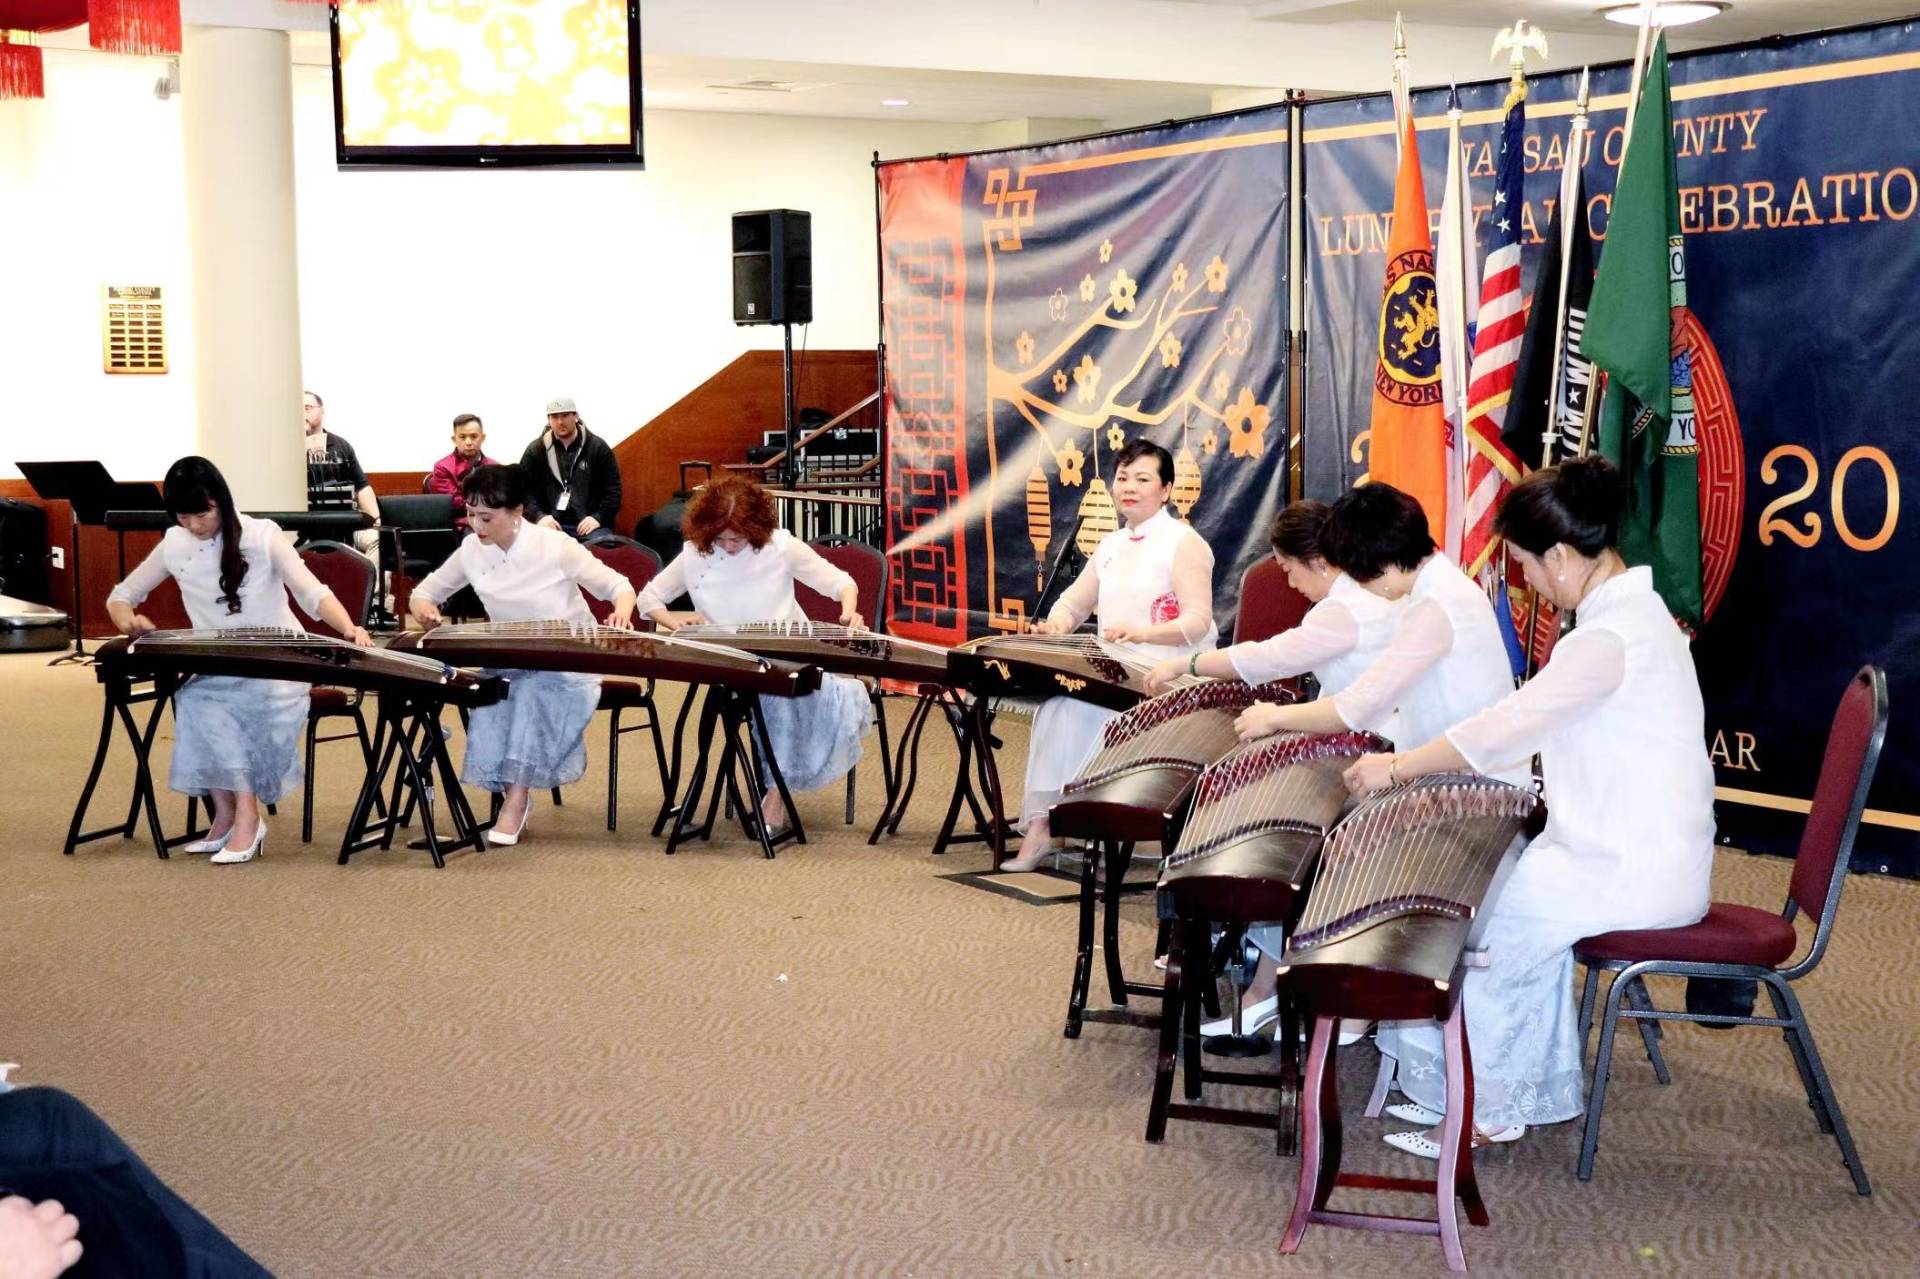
1081	666
830	646
277	653
1399	891
588	649
1134	786
1259	816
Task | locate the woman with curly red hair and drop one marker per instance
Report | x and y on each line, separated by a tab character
738	567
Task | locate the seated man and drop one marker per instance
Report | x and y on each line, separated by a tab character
335	478
450	471
573	483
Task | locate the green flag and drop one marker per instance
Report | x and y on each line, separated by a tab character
1646	420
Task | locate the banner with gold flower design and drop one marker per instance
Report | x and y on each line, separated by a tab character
1048	304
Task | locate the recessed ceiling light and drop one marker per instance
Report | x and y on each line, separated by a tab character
1665	13
895	102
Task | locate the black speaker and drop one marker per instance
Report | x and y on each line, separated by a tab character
773	267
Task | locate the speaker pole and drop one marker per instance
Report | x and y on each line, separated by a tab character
792	468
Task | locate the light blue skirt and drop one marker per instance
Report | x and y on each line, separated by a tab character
237	734
816	738
536	735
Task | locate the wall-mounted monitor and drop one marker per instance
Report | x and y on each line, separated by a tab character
484	83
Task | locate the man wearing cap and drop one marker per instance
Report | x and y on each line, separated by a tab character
573	483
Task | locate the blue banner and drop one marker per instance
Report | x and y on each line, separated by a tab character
1043	306
1798	199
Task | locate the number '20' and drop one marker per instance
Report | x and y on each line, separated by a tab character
1807	531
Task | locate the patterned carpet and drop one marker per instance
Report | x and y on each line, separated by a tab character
580	1057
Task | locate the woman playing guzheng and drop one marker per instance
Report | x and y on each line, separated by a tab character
1150	582
1345	631
236	741
738	567
1446	660
535	738
1617	720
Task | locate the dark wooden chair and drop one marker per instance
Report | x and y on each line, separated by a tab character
618	697
350	577
868	568
1741	943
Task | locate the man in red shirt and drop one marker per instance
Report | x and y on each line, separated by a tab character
448	473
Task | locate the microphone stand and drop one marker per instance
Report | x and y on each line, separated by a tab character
1069	549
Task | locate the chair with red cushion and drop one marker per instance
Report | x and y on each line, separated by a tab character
1268	604
637	564
349	575
1743	944
868	569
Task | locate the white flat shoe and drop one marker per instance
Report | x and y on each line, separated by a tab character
1413	1112
206	845
234	856
1252	1018
1420	1144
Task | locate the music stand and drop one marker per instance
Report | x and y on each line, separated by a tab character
89	490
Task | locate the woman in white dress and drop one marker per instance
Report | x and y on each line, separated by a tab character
1345	632
1617	721
236	741
1446	660
738	566
536	738
1150	582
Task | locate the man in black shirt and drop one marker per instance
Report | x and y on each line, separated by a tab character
573	483
335	479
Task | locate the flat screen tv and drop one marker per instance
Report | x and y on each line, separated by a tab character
484	83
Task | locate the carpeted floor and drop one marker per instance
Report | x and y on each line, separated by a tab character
580	1057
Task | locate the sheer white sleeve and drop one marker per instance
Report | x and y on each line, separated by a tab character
306	589
668	585
587	571
1586	669
1326	632
140	583
809	566
1193	587
1423	639
440	585
1076	603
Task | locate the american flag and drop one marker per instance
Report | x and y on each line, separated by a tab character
1491	467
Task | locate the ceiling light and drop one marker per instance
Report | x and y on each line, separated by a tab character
895	102
1664	13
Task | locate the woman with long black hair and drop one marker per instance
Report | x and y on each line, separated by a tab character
236	741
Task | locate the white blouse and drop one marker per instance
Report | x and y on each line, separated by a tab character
751	585
273	569
1159	572
1617	720
536	579
1446	662
1338	639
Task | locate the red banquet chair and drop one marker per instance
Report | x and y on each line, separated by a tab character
350	576
1268	604
638	564
1744	944
868	569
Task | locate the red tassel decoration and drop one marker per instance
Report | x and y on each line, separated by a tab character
22	71
134	26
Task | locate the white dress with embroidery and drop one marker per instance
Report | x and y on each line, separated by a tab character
1161	571
1617	721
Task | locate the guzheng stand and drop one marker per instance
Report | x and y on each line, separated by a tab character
903	773
410	747
744	756
122	695
1320	1171
976	783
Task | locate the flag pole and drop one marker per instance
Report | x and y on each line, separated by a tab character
1569	182
1402	95
1641	48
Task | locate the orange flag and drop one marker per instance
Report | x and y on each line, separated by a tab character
1409	415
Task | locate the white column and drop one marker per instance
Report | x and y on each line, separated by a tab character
236	90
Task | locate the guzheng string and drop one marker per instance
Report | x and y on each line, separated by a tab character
591	634
824	632
1188	729
279	637
1287	782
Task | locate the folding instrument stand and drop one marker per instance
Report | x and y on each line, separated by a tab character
1180	1036
1320	1152
121	697
976	783
745	754
410	745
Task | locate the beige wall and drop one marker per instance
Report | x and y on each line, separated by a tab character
423	294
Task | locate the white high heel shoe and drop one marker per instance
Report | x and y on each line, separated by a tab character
208	845
234	856
507	839
1253	1018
